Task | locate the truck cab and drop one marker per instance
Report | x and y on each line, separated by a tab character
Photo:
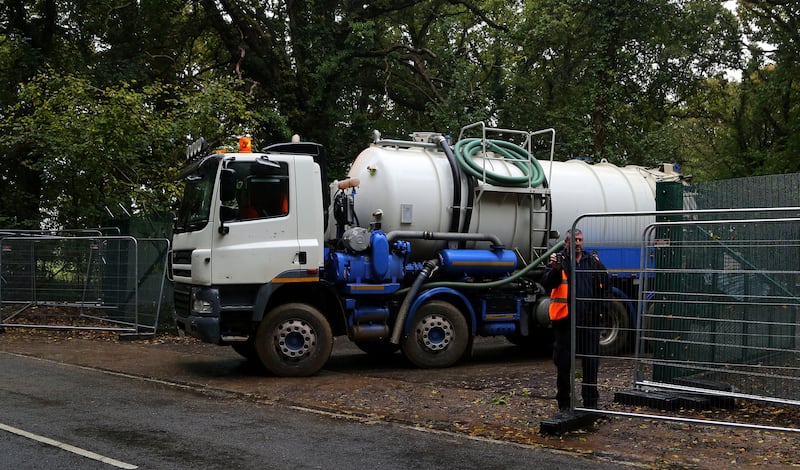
261	215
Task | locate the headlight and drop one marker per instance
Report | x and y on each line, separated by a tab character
200	305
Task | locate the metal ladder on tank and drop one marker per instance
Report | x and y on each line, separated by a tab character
544	232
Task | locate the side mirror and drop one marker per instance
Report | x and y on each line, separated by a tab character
227	184
227	213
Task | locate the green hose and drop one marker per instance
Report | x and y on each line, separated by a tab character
485	285
532	173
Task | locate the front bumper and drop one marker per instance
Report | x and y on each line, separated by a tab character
205	329
206	326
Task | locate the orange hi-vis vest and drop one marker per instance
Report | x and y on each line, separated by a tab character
559	304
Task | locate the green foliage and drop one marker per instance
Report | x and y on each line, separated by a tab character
610	76
751	127
768	124
99	150
99	98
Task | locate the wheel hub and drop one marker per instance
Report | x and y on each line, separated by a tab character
435	332
295	338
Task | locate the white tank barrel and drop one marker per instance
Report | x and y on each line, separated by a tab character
410	188
579	188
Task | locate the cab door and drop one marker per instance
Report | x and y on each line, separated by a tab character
258	239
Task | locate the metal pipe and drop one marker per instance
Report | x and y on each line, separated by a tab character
445	236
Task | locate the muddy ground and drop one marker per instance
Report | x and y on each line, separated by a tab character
500	393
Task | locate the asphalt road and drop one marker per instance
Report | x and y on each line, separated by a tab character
55	415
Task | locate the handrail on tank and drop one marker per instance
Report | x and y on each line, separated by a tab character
377	140
552	131
526	144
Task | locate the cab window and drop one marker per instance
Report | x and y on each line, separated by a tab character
261	191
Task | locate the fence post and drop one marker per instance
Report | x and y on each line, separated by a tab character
669	196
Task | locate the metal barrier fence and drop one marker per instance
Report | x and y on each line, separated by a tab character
714	323
110	283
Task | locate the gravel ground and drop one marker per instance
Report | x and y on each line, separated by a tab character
499	393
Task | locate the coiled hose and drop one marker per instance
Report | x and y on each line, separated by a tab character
532	172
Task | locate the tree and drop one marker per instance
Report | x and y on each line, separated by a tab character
337	70
767	123
100	149
95	44
123	85
750	127
610	75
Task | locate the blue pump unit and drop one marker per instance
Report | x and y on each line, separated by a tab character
478	263
379	263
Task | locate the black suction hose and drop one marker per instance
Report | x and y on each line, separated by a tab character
427	268
455	170
470	204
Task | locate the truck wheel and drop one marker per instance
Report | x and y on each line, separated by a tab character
616	332
439	336
294	340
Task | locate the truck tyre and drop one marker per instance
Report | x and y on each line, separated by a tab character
439	336
294	340
616	333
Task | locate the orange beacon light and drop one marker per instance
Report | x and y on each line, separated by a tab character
245	145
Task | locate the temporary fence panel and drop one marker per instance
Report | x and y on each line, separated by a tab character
98	282
148	226
714	316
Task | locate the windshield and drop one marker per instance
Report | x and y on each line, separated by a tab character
195	205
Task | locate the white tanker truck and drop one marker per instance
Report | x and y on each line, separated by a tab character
422	248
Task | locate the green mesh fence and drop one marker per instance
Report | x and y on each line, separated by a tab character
726	290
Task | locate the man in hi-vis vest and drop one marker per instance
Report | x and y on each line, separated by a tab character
591	285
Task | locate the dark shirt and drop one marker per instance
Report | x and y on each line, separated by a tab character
591	283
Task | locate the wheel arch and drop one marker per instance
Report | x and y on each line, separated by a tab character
454	297
317	294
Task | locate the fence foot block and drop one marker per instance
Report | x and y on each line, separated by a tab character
567	421
717	401
668	401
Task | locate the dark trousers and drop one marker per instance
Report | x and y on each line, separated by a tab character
587	346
